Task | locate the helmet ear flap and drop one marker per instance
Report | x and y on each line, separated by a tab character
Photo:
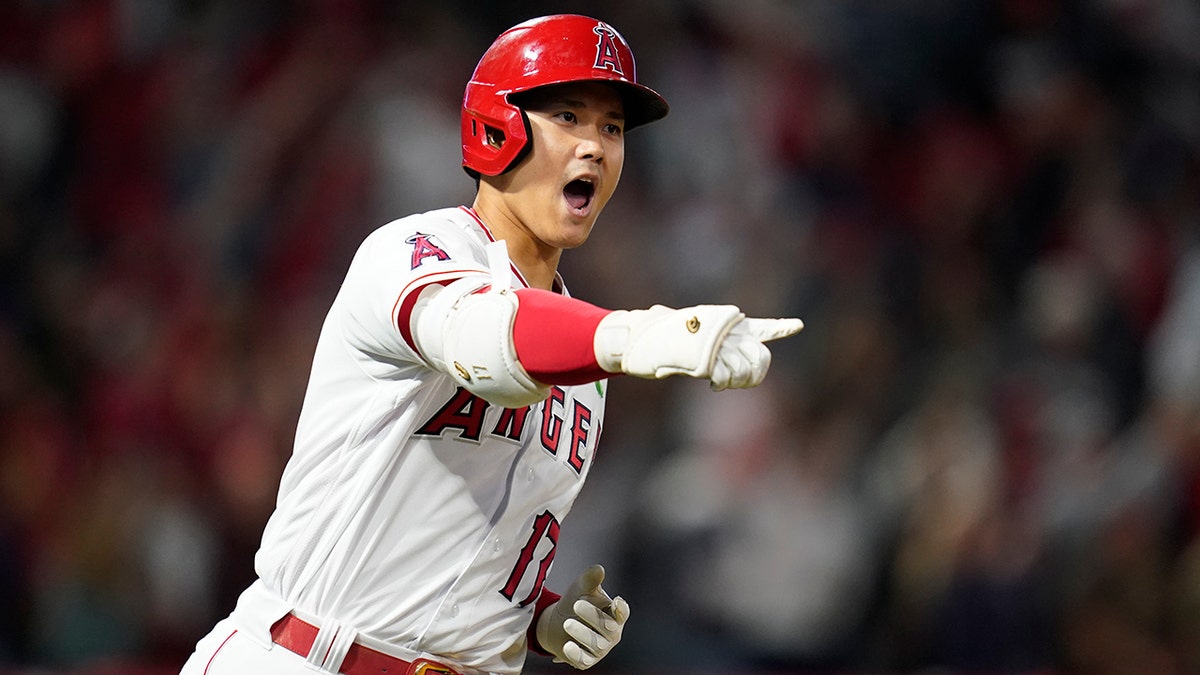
495	146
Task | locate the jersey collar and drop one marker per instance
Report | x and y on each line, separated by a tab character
559	285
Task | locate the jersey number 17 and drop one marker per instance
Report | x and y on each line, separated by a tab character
545	526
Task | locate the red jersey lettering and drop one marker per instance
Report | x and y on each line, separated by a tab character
552	419
580	426
464	411
511	423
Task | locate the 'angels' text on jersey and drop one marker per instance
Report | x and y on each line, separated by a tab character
468	413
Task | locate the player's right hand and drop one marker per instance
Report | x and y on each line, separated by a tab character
713	342
743	358
585	624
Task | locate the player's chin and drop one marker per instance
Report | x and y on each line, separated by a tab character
573	232
574	237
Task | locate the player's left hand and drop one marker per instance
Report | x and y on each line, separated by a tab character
585	624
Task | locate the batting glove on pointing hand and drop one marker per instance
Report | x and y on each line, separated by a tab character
742	359
713	342
584	625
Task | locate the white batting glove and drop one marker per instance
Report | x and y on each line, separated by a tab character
714	342
742	359
585	624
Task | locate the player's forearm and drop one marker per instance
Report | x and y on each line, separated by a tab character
508	346
504	346
554	336
544	602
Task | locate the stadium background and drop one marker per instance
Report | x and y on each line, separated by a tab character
983	454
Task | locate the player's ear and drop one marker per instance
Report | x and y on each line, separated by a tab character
493	136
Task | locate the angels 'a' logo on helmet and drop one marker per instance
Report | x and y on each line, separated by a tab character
606	49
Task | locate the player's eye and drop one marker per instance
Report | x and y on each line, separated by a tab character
614	129
567	116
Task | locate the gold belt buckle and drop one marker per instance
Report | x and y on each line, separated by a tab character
427	667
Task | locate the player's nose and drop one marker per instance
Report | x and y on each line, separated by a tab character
590	145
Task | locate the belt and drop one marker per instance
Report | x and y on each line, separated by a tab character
296	635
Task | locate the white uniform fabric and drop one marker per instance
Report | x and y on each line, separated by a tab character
411	512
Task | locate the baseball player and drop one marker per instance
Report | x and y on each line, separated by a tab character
457	397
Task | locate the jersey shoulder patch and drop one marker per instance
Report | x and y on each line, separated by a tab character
425	246
424	240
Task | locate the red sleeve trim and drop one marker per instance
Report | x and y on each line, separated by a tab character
544	600
404	313
405	305
554	336
402	309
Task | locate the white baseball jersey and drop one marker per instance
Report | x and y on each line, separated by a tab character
419	514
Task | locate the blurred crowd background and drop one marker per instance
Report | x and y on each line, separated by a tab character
981	456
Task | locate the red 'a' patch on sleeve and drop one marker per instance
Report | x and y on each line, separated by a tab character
424	246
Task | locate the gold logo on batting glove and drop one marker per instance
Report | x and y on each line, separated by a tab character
693	325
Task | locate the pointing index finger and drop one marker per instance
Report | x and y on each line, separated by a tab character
765	330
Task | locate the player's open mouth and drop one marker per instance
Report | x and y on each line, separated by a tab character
579	193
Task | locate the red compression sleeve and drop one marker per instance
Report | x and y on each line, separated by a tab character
554	337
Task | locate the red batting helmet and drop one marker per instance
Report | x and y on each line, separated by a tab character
544	51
